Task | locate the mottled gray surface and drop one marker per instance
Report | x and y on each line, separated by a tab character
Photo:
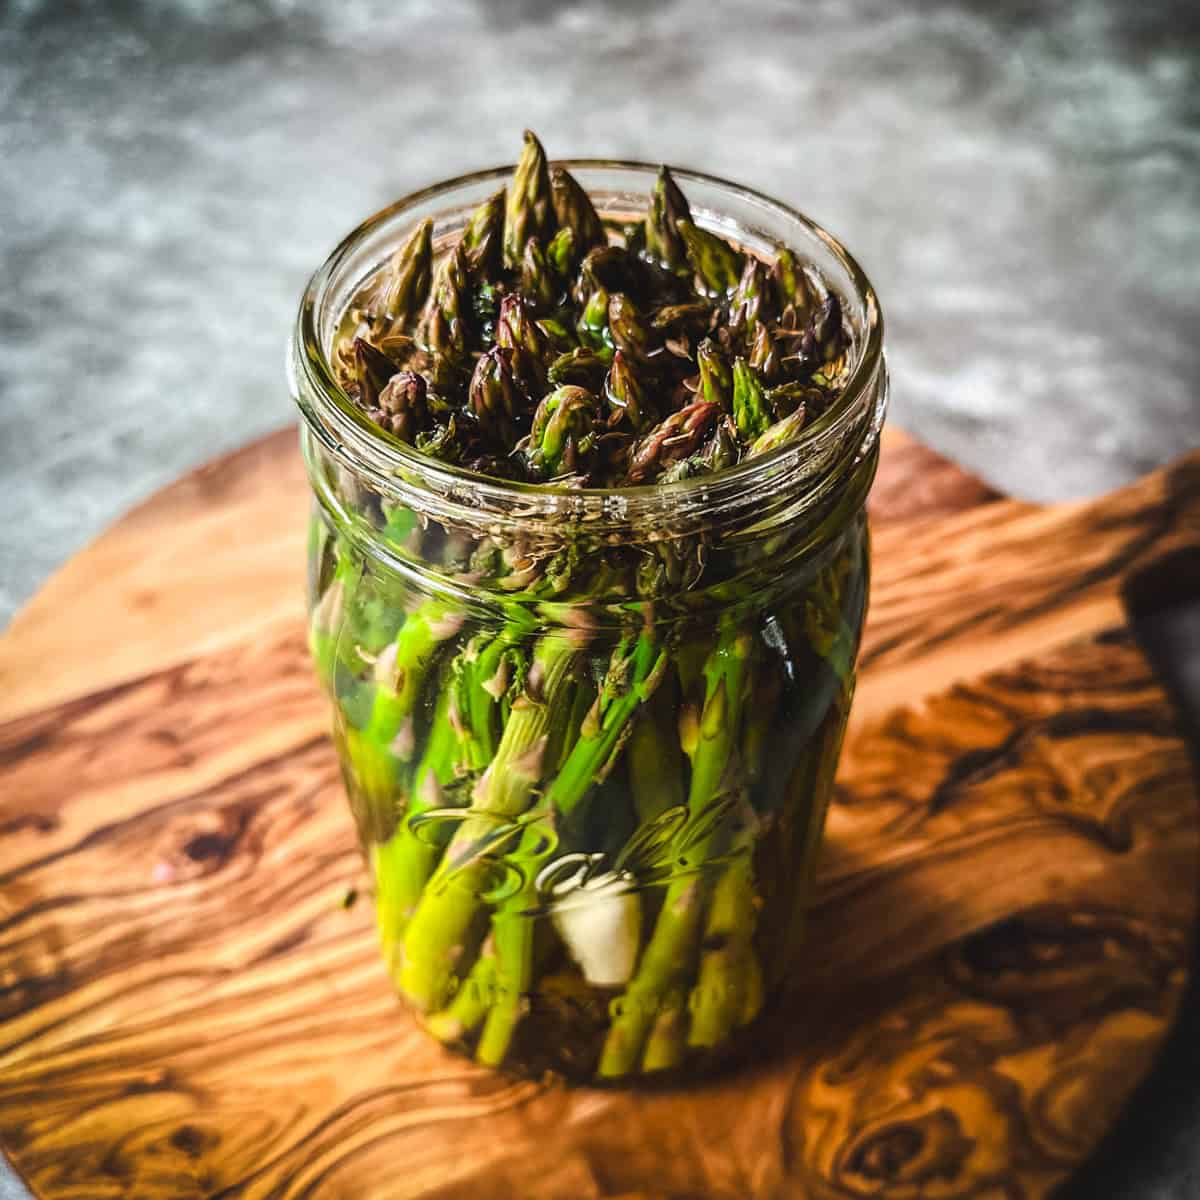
1021	180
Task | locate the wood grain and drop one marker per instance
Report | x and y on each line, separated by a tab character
998	944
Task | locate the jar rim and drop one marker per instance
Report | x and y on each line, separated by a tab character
358	444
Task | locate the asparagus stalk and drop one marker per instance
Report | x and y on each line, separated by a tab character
377	751
482	238
673	439
563	436
573	209
632	677
444	323
764	355
401	866
513	937
667	960
562	253
583	367
540	283
484	675
666	1043
716	263
526	342
782	432
471	1001
593	321
436	936
373	369
494	397
399	673
404	284
657	774
792	287
625	395
530	209
402	407
749	402
719	999
668	206
630	334
716	380
753	300
325	623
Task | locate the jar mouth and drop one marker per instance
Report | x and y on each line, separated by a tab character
359	445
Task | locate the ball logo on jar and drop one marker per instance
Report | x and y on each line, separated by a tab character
514	850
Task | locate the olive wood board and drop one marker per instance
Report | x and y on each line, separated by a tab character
1000	936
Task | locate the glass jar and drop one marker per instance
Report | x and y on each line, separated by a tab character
589	736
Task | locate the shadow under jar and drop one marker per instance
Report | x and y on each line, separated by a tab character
589	736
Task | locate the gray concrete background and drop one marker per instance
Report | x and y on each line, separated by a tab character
1021	180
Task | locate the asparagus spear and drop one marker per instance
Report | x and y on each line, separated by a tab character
494	397
668	206
443	329
825	336
656	767
625	395
564	432
764	353
482	238
719	998
608	269
720	451
593	321
435	938
529	212
583	367
540	283
667	959
562	253
401	866
753	300
692	318
404	284
512	936
635	671
573	209
402	407
387	740
629	333
749	403
666	1043
675	437
484	675
779	434
716	263
792	287
716	379
526	342
471	1001
373	369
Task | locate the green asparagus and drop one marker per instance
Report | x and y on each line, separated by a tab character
574	779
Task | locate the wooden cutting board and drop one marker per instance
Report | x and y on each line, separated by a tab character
999	941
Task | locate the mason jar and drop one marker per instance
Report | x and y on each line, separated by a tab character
588	737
